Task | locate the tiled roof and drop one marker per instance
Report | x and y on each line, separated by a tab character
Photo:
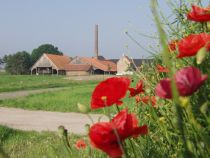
105	65
114	60
60	61
78	67
137	62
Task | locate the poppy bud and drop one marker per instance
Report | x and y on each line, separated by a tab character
82	108
201	55
208	25
204	108
62	131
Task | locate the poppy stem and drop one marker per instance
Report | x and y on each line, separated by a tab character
117	135
122	147
118	109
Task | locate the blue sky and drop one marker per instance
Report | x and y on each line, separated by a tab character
69	25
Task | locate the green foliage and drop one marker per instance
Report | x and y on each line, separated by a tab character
44	48
18	63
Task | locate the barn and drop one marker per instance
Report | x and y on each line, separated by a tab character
51	64
94	65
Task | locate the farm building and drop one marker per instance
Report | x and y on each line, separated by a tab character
126	65
50	64
78	69
98	65
61	65
58	64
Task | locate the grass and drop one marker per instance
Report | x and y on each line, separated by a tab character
26	82
21	144
63	100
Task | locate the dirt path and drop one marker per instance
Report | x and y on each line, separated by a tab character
16	94
45	121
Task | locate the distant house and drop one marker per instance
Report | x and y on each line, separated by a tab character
50	64
126	65
96	65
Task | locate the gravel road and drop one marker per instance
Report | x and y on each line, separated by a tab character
46	121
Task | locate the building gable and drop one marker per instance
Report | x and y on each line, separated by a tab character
44	61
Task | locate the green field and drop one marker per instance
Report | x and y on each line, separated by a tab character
20	144
26	82
63	100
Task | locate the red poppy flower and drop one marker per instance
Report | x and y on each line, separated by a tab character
102	135
161	68
199	14
172	45
137	90
109	92
188	80
148	99
190	45
80	144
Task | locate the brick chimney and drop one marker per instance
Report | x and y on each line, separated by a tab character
96	41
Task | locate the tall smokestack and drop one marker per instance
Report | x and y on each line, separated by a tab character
96	41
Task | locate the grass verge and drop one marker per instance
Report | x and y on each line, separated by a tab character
21	144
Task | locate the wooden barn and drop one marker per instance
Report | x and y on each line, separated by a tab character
51	64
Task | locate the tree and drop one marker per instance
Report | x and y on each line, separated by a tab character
19	63
45	48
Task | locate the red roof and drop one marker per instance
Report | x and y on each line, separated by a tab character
105	65
78	67
60	61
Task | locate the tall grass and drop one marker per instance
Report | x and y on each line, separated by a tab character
20	144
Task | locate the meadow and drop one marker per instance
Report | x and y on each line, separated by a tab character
65	100
27	82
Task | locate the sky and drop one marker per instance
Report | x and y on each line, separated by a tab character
69	25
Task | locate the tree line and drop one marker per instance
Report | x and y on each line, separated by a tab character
21	62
